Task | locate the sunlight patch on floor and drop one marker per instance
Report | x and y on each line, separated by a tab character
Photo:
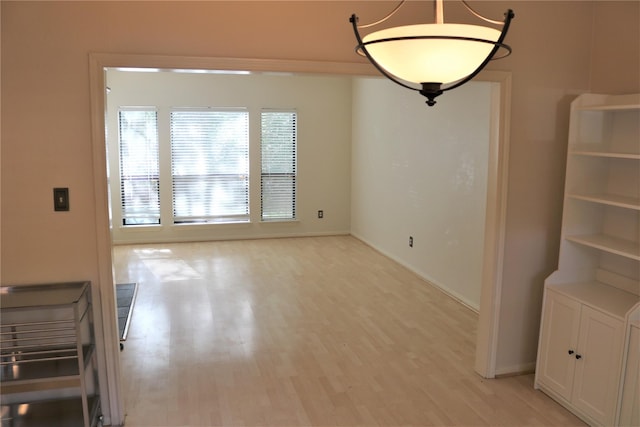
171	269
153	252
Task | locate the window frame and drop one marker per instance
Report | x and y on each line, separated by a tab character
243	177
121	176
294	166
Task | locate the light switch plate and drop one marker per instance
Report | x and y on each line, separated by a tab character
61	199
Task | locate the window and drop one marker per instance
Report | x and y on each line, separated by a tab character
278	177
210	165
139	166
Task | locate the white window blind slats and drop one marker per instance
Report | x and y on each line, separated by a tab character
210	165
139	166
279	164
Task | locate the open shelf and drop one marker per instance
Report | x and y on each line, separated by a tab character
36	366
609	199
601	102
601	151
614	245
611	107
51	413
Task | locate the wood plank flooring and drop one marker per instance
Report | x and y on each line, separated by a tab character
305	331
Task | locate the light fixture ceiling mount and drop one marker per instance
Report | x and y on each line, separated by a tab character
433	58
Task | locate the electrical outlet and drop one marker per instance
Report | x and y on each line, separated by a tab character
320	214
410	241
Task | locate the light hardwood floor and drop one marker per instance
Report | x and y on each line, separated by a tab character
306	331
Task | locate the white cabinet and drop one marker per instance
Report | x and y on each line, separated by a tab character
581	349
589	299
630	399
557	363
597	365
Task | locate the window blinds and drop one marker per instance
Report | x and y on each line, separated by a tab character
139	166
210	165
278	176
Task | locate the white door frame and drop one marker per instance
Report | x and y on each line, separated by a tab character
496	193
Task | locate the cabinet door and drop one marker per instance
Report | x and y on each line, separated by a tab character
597	371
560	326
630	407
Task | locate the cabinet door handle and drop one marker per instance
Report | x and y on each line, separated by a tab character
571	352
578	356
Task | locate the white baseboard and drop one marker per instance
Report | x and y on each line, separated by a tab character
513	370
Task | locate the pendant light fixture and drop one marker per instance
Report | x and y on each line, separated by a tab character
432	58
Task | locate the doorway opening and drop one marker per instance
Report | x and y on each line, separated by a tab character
496	193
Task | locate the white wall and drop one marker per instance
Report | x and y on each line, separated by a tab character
323	104
422	171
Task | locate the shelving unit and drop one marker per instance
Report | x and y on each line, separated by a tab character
588	301
48	363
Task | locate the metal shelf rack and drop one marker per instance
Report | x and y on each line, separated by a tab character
48	368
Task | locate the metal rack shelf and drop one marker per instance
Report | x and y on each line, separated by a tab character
50	413
47	356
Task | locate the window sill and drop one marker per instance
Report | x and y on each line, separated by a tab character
141	227
238	224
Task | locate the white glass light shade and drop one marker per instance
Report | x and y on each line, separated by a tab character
431	60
